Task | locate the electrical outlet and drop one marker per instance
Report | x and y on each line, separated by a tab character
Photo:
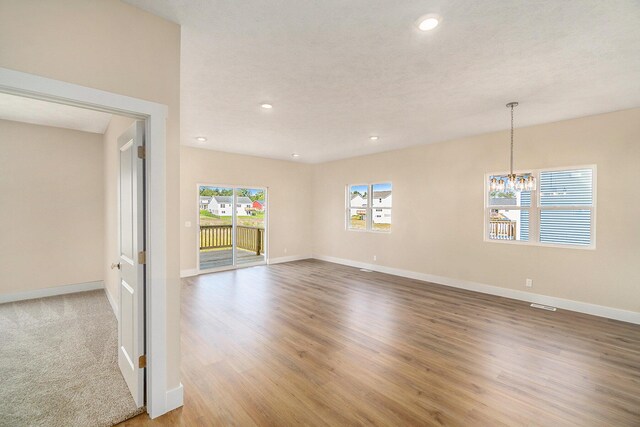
528	283
285	250
187	224
375	258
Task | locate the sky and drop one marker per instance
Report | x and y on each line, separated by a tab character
362	189
252	191
382	187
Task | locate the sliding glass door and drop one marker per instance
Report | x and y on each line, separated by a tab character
250	225
232	227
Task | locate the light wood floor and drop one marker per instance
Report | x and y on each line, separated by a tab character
314	343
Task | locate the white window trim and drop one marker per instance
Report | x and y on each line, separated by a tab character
369	208
535	209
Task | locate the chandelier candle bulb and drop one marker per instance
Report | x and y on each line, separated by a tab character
493	185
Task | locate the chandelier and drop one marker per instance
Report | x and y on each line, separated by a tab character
512	182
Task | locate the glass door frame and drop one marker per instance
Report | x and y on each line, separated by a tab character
234	262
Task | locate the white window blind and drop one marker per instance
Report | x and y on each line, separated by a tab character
566	201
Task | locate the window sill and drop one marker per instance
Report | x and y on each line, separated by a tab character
591	247
369	231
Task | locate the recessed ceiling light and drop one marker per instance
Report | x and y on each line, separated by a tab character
266	106
428	22
374	137
295	155
201	139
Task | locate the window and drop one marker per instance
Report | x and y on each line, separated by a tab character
561	211
369	207
566	206
509	214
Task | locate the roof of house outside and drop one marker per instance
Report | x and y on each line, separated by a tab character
503	201
223	199
229	199
205	199
381	194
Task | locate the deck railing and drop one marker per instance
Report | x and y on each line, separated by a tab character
221	236
502	229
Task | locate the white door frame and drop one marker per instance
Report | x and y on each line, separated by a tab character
233	266
154	114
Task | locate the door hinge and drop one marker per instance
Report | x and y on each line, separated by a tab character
142	153
142	361
142	257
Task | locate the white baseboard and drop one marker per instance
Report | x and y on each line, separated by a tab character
50	292
175	398
571	305
113	302
190	272
291	258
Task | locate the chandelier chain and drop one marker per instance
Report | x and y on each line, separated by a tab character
512	138
512	182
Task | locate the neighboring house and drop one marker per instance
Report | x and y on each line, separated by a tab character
358	205
243	205
503	201
258	205
358	200
380	200
223	205
204	203
519	216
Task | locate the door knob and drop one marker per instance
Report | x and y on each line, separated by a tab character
115	266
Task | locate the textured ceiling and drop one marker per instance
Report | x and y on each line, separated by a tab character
27	110
339	71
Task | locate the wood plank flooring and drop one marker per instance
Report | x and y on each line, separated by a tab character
320	344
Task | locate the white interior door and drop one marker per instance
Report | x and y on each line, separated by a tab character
131	357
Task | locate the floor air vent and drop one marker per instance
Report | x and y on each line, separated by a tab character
543	307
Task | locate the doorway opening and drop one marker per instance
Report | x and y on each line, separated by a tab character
159	397
59	177
232	227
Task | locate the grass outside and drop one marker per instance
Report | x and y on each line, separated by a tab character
359	223
382	227
257	220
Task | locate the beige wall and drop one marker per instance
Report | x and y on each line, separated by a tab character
108	45
116	127
438	210
52	216
289	198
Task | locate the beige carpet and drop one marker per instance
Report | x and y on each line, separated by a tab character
59	363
